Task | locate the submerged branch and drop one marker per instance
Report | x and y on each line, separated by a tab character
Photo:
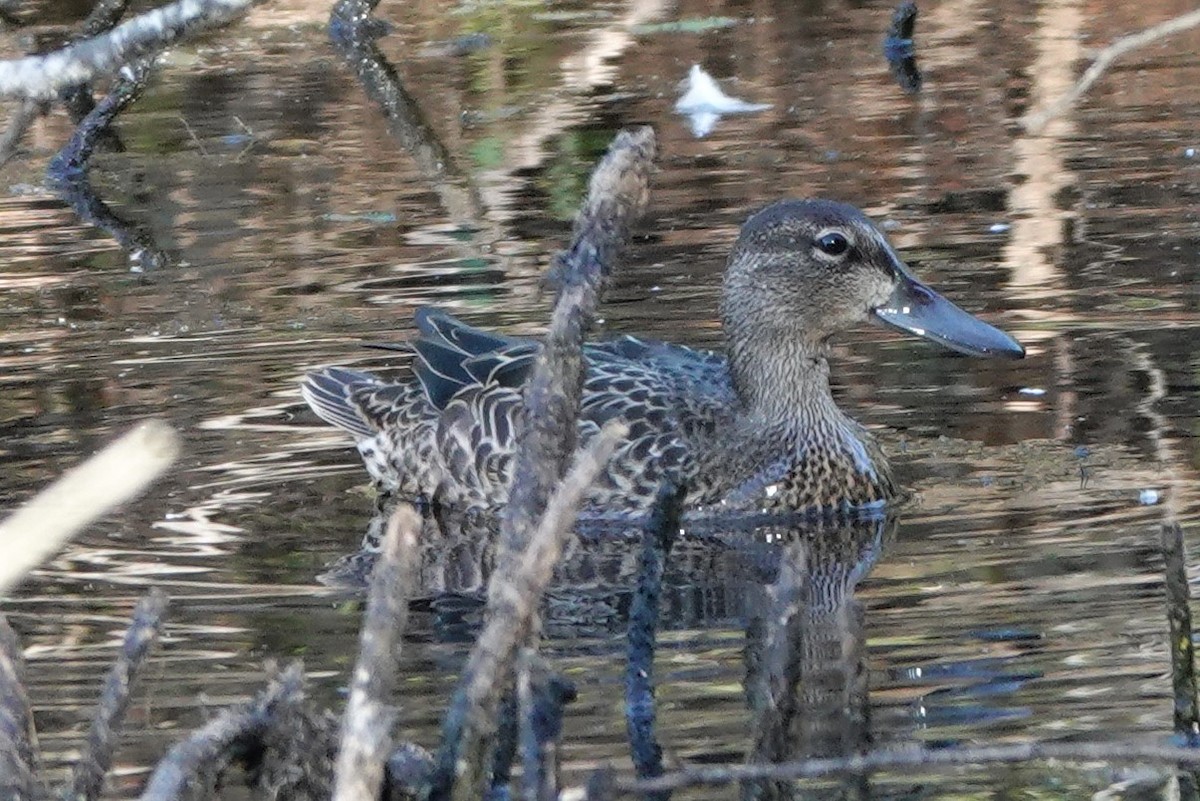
658	537
1035	121
366	725
917	759
352	30
87	778
44	76
111	477
68	170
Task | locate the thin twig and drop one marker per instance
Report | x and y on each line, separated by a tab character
367	723
915	759
88	775
1035	121
43	76
113	476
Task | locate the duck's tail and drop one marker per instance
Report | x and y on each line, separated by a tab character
337	396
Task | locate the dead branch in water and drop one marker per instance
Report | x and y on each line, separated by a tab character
44	76
367	722
617	197
114	475
658	537
18	739
104	17
199	759
77	99
514	594
1035	121
68	172
538	516
92	766
912	759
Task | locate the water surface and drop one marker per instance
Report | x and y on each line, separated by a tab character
1019	598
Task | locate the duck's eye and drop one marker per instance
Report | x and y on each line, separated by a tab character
833	243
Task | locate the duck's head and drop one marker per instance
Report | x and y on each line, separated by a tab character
803	270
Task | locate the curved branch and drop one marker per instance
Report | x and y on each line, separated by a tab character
1035	121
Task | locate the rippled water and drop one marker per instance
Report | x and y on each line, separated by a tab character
1020	597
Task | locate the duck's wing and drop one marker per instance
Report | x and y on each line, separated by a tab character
360	403
449	357
452	356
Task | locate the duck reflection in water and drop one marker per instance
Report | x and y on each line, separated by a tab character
807	683
790	587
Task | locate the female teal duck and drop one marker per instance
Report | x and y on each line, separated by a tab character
756	429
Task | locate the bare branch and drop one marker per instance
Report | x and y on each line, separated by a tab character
43	76
514	595
207	750
918	758
88	775
366	725
1035	121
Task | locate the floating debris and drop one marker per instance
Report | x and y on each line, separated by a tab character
372	217
704	103
999	228
899	50
1035	391
458	46
689	25
1148	497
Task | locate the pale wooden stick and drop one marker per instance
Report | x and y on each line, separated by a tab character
367	723
113	476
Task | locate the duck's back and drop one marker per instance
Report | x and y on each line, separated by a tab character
449	433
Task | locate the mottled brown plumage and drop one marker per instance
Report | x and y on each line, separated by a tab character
757	430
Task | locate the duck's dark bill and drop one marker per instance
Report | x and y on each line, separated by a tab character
917	309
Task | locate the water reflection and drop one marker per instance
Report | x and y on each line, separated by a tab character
807	683
1015	602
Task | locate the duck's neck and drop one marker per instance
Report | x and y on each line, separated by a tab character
782	379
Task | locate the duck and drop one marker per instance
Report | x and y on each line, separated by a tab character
751	429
